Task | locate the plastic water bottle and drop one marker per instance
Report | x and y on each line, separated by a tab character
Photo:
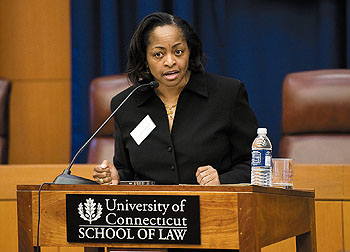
261	172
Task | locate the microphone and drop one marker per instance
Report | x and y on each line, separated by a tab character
66	178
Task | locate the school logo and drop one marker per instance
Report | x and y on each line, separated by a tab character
163	219
90	209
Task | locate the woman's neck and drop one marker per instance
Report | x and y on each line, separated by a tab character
170	95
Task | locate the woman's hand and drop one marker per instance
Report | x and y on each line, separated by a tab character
207	175
106	174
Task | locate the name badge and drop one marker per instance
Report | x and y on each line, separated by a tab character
143	129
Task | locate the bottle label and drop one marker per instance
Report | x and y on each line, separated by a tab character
261	157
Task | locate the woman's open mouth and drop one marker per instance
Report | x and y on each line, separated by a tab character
171	75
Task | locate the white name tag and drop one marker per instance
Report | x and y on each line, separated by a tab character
143	129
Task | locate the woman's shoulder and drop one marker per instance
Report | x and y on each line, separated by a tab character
118	98
220	81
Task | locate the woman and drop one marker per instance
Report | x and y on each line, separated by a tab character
196	127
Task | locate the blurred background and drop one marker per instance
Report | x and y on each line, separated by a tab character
51	50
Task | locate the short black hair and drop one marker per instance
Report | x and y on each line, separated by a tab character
137	68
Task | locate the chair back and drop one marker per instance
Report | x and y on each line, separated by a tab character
5	89
316	117
102	90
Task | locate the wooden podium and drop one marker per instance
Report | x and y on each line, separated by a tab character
240	217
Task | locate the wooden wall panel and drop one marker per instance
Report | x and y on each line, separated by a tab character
40	129
35	39
8	227
35	56
346	182
327	180
329	233
346	225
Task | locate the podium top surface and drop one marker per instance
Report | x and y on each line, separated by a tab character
235	188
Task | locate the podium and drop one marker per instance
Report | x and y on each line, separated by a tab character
241	217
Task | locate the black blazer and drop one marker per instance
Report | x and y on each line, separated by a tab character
213	125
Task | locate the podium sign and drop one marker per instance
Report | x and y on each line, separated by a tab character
156	219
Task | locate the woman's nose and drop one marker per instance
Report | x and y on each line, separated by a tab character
169	60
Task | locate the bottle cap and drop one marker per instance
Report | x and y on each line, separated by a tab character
262	131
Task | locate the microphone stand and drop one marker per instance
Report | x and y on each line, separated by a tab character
66	178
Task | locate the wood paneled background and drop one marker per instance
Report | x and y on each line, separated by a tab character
35	57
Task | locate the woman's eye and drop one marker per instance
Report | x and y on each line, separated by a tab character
158	54
178	52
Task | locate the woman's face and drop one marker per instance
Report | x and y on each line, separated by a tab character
168	56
